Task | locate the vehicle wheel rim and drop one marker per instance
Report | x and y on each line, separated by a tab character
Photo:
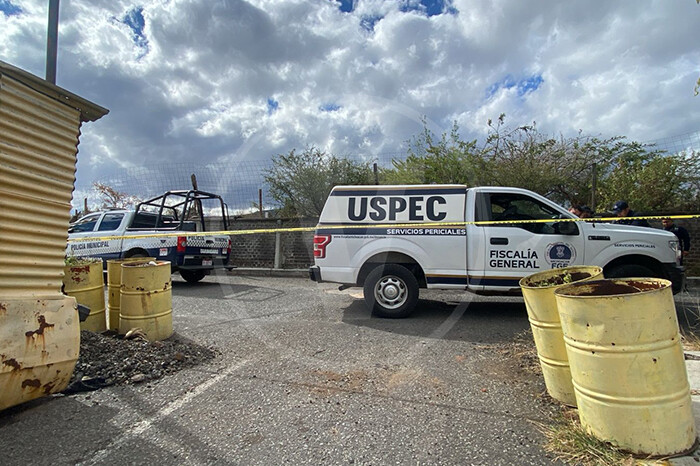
391	292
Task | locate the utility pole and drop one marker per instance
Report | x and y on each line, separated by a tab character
52	42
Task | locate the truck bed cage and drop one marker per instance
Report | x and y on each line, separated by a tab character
179	205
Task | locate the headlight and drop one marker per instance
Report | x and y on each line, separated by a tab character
675	245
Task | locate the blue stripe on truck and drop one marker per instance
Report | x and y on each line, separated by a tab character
398	231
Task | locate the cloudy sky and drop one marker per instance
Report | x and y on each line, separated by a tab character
191	81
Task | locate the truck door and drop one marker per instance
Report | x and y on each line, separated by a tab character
515	250
97	226
110	225
84	228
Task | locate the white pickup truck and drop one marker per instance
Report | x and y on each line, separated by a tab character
119	234
393	240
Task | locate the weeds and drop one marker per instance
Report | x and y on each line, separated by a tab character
689	319
75	261
570	443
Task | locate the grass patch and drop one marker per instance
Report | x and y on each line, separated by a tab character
688	311
571	444
690	340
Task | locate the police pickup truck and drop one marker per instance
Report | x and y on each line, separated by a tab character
124	233
393	240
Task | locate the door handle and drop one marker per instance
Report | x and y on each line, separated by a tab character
499	240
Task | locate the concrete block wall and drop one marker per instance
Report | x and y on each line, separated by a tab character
258	250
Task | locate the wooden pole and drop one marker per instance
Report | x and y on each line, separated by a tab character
260	202
594	185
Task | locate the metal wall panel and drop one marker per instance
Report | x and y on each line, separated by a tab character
38	147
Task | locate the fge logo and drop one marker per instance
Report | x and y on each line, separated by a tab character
380	208
560	255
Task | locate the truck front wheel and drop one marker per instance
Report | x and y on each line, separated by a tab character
391	290
192	276
629	271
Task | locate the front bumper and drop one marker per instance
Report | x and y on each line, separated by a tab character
676	274
315	273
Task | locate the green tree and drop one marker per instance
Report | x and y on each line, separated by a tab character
651	180
447	160
560	168
301	181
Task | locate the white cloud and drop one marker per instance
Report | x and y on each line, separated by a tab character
197	78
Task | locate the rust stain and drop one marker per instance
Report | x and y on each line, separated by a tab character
12	362
42	326
78	272
80	269
34	383
48	387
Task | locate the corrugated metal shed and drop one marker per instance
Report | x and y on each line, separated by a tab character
39	130
39	329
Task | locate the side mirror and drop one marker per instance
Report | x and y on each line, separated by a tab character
566	228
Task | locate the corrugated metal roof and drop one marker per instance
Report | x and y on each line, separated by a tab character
88	111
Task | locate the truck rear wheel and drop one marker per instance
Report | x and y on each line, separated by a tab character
391	290
192	276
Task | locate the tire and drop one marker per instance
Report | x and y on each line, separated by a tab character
630	271
391	290
192	276
136	253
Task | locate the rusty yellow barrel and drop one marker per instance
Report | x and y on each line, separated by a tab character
39	344
627	364
146	299
114	279
84	281
538	291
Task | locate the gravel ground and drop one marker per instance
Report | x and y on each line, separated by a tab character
108	359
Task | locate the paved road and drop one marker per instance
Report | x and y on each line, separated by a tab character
307	376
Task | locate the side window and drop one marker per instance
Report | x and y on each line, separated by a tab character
514	207
110	222
85	224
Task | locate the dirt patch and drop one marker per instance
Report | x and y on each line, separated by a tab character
612	287
107	359
382	380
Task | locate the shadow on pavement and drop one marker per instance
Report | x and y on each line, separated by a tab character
476	322
207	289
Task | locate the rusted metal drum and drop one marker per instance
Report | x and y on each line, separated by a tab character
146	299
114	278
39	345
538	291
627	364
86	284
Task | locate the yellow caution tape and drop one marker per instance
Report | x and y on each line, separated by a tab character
383	225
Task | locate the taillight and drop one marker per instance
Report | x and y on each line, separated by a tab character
228	248
320	243
181	243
